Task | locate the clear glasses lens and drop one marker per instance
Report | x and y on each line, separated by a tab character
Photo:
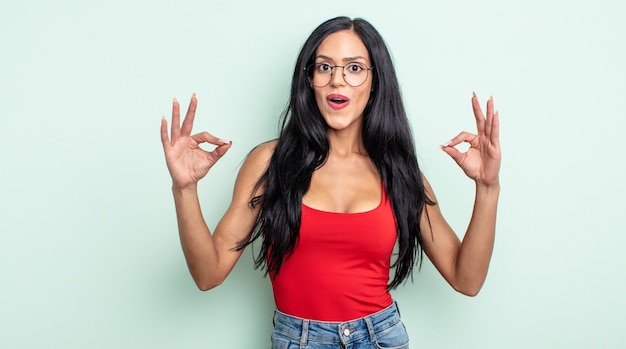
354	74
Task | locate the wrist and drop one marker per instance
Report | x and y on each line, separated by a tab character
188	189
488	189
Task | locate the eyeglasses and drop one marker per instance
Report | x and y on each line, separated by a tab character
354	74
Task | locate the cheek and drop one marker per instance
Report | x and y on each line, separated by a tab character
319	100
365	96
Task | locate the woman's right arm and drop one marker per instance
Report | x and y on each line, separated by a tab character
210	257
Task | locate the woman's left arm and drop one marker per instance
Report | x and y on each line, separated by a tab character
465	264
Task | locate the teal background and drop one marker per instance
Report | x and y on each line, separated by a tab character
89	252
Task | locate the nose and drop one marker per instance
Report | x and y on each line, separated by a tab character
337	79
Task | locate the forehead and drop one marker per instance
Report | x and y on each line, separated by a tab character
344	45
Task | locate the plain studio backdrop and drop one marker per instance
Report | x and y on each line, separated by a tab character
89	250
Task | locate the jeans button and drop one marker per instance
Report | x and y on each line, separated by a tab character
346	332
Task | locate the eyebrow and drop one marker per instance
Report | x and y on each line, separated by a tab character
347	59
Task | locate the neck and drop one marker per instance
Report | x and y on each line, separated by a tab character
346	142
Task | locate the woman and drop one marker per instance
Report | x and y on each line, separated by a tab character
333	195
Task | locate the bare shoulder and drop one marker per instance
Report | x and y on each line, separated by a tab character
430	194
432	212
262	153
258	159
253	167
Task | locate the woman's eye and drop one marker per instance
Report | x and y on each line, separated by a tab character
324	68
355	68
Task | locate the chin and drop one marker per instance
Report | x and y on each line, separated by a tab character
341	124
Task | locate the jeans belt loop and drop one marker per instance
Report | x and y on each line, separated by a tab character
370	328
305	333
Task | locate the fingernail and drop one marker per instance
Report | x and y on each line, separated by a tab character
223	141
194	95
175	100
446	144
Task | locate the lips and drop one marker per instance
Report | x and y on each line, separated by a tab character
337	101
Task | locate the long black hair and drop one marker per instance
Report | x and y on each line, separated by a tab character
303	147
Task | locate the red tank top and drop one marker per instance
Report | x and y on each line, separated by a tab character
339	270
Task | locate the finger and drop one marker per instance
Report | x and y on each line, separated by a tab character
205	137
495	130
489	120
478	114
164	138
454	153
175	120
217	153
221	150
460	138
191	114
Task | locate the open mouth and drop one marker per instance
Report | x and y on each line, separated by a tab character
337	101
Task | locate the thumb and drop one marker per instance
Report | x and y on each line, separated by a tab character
222	149
454	153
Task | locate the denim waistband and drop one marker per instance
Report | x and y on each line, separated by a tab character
345	332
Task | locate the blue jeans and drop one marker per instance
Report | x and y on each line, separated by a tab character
379	330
